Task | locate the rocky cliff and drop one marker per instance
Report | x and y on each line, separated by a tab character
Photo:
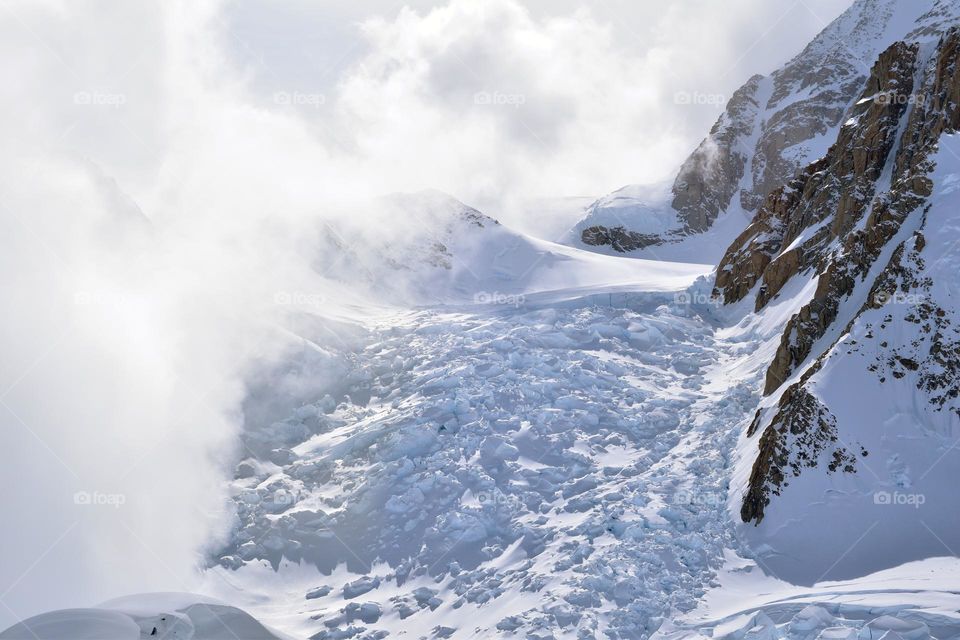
771	129
862	390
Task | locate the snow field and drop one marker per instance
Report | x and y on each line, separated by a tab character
560	471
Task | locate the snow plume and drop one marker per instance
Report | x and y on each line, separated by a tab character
149	230
156	208
512	94
502	101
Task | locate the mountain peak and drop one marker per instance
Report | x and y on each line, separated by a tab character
771	129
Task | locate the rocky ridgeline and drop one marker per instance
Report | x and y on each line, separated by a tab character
771	128
618	238
708	180
800	221
854	221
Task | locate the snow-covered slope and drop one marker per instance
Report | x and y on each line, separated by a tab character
859	425
159	616
772	127
430	248
551	443
918	600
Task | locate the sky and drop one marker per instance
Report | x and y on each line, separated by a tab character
584	94
164	161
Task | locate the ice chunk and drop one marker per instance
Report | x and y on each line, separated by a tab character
837	633
907	629
360	587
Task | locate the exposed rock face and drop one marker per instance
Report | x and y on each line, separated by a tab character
801	431
854	221
840	186
771	129
618	238
748	257
785	141
710	176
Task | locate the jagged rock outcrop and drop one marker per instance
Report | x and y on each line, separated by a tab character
618	238
771	129
937	334
798	435
710	177
794	122
747	259
840	186
854	221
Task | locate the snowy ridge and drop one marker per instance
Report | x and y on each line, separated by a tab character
772	128
454	254
161	616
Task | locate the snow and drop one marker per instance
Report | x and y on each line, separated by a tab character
895	508
76	624
563	464
570	445
455	255
501	436
562	467
569	461
641	208
916	600
156	615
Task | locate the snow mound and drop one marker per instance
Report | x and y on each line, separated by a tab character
450	253
643	208
159	616
915	601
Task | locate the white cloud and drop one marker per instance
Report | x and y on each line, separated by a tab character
488	103
581	99
126	343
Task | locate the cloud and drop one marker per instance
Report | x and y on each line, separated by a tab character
146	219
493	103
156	195
501	101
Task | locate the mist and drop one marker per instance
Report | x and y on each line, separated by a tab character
157	194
